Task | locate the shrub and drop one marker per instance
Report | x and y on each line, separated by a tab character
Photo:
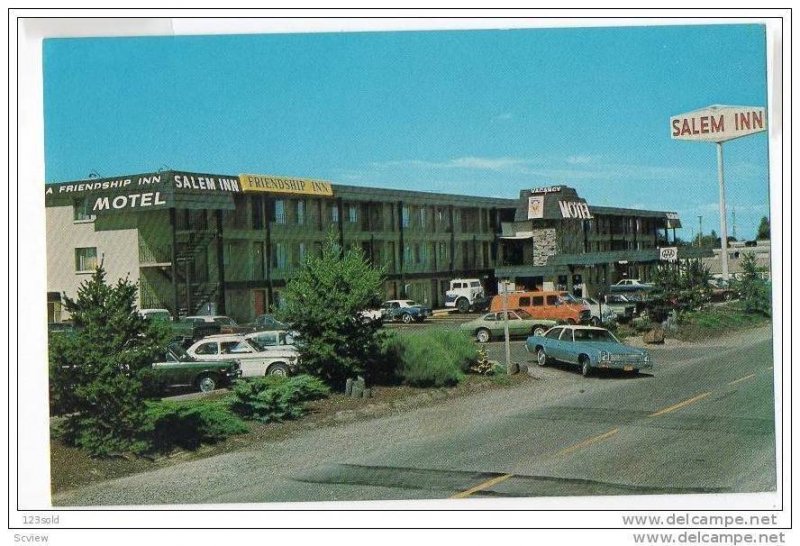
323	301
428	364
188	424
383	368
275	398
482	366
458	344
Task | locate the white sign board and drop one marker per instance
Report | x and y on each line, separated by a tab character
718	123
668	254
536	206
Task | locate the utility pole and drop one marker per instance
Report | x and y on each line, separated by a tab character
733	212
700	237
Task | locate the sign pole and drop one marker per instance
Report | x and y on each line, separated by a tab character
505	328
723	221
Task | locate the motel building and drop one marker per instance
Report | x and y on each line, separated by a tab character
227	244
558	241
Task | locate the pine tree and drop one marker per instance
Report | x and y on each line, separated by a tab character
324	302
95	374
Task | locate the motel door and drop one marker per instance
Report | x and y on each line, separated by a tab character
259	302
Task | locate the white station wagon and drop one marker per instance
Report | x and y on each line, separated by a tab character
254	360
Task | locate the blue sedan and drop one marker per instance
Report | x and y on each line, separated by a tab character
587	346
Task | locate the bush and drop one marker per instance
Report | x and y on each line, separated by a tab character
323	301
429	365
383	368
459	345
275	398
187	425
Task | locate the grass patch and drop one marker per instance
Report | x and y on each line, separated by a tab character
716	321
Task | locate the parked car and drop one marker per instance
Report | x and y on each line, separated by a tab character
254	359
370	316
405	310
601	313
226	324
624	307
721	290
266	322
273	338
160	315
544	305
631	286
187	330
589	347
177	368
492	325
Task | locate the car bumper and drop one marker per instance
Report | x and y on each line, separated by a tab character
625	365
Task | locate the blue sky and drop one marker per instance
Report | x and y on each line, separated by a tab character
472	112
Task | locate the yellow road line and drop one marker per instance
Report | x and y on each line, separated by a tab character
588	442
752	375
680	405
481	486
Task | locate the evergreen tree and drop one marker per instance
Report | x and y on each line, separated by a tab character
324	302
763	229
95	373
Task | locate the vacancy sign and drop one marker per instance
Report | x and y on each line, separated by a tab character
718	123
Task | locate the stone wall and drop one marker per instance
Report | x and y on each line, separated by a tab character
544	245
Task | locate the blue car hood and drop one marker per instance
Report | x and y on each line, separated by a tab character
612	347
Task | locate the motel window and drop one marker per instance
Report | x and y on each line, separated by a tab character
408	254
406	217
279	256
257	213
442	251
301	253
85	259
82	210
417	254
335	213
280	211
422	214
352	214
301	212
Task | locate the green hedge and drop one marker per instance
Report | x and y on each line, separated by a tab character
188	424
276	398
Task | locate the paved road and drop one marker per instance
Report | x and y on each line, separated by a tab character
701	422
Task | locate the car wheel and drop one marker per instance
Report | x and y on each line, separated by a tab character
279	368
541	358
206	383
463	305
483	335
406	318
586	368
538	331
594	321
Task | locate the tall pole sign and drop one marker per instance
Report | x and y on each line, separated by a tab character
718	124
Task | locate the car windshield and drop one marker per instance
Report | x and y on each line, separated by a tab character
256	345
225	320
410	303
178	352
523	314
594	335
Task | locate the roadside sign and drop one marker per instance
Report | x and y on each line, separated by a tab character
668	254
718	123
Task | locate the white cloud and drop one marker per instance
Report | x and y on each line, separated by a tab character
580	159
505	116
